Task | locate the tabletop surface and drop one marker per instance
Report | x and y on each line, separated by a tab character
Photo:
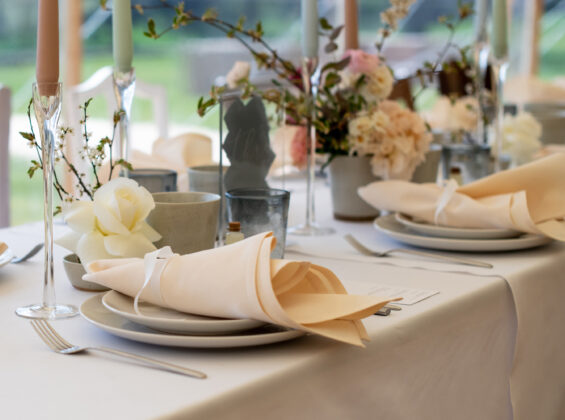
38	382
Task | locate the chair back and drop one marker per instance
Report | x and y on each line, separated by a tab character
101	83
5	112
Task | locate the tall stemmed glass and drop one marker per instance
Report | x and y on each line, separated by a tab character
481	50
47	107
311	80
124	88
499	68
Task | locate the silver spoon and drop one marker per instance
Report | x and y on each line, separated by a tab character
27	256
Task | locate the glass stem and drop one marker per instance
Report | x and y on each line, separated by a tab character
481	54
311	173
310	79
49	127
499	76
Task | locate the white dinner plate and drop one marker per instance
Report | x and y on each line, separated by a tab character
452	232
390	227
6	257
172	321
96	313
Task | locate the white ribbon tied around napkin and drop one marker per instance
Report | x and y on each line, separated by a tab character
449	188
154	262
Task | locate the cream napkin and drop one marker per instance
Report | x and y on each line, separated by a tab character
177	153
241	281
530	198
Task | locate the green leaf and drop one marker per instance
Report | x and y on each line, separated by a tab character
240	23
210	14
337	65
335	33
331	80
125	164
330	47
27	136
325	24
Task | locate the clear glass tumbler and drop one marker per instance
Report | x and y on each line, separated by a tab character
260	210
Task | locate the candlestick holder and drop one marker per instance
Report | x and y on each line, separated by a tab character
499	67
47	107
124	88
311	80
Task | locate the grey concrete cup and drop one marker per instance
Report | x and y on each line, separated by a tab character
187	221
75	271
205	178
347	174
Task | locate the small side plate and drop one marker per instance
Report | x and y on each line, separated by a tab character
169	320
395	230
455	233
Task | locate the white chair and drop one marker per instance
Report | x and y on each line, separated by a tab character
5	111
101	84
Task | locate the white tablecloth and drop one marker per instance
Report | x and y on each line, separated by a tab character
489	346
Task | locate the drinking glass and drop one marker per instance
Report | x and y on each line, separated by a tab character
259	210
47	108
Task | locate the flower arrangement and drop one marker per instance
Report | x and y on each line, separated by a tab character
106	218
351	87
95	155
396	138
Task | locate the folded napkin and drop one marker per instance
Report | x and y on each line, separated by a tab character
177	153
241	281
529	198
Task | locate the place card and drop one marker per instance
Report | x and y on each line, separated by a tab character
410	296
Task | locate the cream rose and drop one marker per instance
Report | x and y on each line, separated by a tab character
521	137
240	71
113	225
378	84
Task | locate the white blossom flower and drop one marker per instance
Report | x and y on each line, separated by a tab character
112	225
521	137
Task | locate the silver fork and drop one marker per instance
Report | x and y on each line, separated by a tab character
27	256
458	260
58	344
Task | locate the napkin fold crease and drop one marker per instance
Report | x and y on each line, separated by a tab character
241	281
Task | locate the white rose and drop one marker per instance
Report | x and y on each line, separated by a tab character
240	71
113	225
521	137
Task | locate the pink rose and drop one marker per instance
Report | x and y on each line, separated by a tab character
298	150
361	62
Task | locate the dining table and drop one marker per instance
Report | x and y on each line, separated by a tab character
488	343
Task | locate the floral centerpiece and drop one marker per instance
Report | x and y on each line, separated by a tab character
353	89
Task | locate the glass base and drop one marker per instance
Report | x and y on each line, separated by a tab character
39	311
310	230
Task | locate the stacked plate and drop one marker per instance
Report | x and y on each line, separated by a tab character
114	313
418	233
